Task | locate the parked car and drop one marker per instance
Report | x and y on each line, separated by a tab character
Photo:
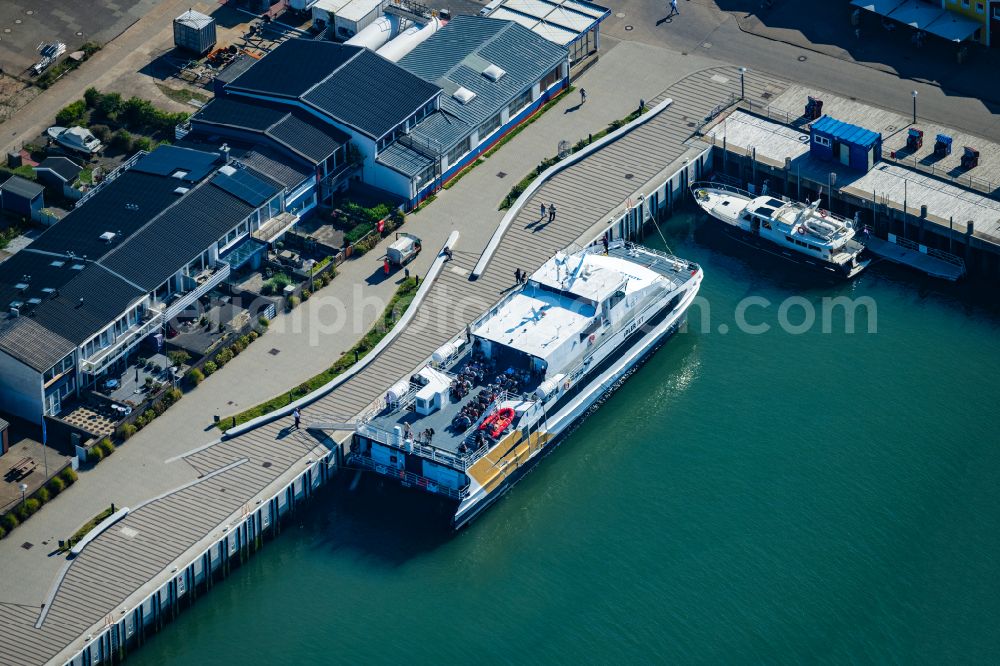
75	138
403	249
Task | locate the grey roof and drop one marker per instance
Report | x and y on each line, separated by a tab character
194	19
371	94
295	66
63	167
3	425
278	166
32	344
442	130
236	68
458	53
174	238
404	159
21	187
298	131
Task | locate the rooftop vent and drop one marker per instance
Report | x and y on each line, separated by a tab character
494	73
108	236
57	263
228	170
180	173
21	286
131	206
464	95
77	267
16	304
182	190
34	301
14	310
49	291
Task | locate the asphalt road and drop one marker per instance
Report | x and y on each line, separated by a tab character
703	29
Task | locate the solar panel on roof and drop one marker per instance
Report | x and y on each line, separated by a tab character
245	186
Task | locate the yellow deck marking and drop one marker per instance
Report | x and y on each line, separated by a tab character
490	470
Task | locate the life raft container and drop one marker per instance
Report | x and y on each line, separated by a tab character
498	421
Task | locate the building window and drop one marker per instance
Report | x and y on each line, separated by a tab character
424	176
965	3
460	149
550	78
487	128
821	140
980	8
519	103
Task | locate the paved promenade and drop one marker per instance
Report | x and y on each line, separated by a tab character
138	471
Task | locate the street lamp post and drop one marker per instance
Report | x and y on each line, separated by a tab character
23	487
743	71
914	93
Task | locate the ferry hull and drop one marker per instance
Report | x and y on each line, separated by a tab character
464	516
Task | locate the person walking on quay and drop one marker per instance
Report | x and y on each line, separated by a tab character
673	9
298	417
552	212
543	211
583	96
604	241
517	276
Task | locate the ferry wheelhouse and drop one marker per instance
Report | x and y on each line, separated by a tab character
468	424
800	232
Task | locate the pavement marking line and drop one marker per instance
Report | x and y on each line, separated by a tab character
65	570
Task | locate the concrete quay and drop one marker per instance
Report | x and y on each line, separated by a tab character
133	576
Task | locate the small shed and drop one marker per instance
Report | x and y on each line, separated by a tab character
59	173
852	146
21	196
195	32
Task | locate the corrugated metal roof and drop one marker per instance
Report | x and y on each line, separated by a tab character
296	130
467	40
21	187
441	130
371	94
842	131
33	344
295	66
404	160
560	21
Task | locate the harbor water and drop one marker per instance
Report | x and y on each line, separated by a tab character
801	494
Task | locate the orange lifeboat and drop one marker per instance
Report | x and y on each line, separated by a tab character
498	421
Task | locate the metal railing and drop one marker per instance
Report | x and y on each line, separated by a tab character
97	361
122	168
930	251
407	478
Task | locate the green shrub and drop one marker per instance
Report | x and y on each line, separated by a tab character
140	422
96	454
160	406
142	143
306	294
68	476
42	495
3	532
28	508
149	415
102	132
223	357
122	140
253	335
178	357
209	368
172	395
293	302
55	486
126	431
109	105
72	113
263	322
9	521
194	376
92	96
106	446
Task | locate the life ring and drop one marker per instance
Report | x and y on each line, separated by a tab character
822	213
592	338
802	231
566	385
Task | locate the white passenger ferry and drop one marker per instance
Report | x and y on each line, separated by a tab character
491	402
795	231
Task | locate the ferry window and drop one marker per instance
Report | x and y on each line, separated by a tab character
789	239
822	140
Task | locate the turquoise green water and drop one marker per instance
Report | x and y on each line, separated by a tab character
778	498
